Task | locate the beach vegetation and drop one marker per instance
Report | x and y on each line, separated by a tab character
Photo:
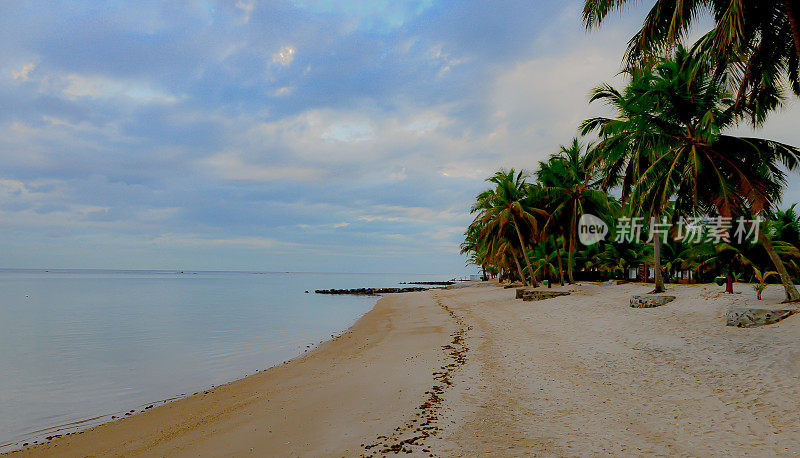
754	44
666	154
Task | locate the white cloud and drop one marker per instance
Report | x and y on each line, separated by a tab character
23	74
398	176
424	123
200	241
247	7
76	86
285	56
445	60
231	166
96	87
350	132
410	214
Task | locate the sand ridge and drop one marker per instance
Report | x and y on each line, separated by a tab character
413	434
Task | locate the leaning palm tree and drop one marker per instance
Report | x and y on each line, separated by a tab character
476	247
756	42
667	143
500	209
490	246
569	184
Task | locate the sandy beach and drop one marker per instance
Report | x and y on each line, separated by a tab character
473	371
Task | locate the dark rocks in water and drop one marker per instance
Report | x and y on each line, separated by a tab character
431	283
371	291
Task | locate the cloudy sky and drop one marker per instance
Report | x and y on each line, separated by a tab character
297	135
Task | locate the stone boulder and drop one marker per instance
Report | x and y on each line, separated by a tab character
646	301
752	316
538	295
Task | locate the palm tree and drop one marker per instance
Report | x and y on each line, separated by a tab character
476	247
588	259
723	256
491	246
785	225
500	209
667	142
558	242
627	146
545	257
618	257
756	42
570	185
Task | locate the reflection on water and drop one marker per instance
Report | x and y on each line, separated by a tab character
79	346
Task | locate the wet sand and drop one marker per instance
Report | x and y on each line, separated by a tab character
473	371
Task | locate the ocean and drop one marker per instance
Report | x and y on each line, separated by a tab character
80	346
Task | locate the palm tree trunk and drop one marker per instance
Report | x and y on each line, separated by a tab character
571	254
519	270
729	280
566	250
525	252
793	24
560	265
791	291
657	277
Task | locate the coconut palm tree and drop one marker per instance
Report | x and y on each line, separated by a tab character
667	142
724	256
476	247
755	42
545	255
569	184
675	257
501	210
490	245
618	257
588	259
627	146
785	225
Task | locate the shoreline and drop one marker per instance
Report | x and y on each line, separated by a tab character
472	370
147	427
44	435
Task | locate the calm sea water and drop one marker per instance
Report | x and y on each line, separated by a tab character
77	347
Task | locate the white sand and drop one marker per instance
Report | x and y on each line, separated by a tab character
586	374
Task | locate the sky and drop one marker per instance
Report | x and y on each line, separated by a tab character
323	136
